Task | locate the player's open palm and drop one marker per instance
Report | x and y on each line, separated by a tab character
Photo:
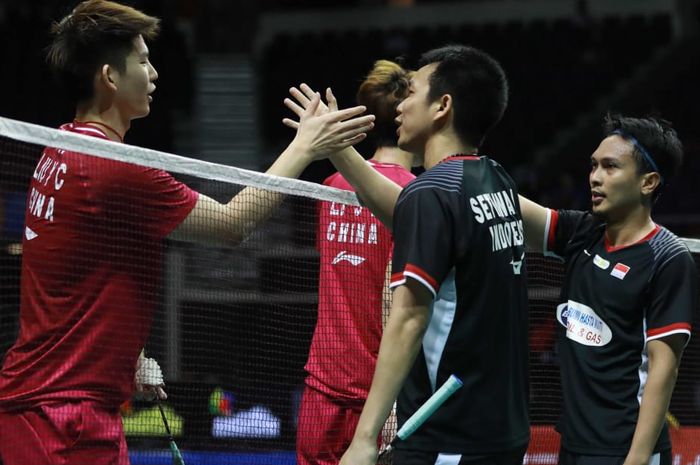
360	453
324	133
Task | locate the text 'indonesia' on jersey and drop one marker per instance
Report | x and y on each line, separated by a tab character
497	205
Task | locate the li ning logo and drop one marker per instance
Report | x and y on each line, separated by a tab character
352	259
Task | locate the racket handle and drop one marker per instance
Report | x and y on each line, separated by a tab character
177	456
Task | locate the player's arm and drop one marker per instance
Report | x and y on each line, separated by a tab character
228	224
374	190
664	359
534	223
400	344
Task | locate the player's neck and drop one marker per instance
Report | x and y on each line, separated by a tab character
441	145
393	155
108	121
630	229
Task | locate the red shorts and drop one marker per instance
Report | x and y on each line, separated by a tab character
65	433
325	428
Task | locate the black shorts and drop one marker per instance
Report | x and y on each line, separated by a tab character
414	457
571	458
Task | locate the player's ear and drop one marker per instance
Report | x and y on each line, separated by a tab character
443	107
650	182
108	77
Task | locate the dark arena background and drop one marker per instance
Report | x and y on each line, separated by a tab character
233	327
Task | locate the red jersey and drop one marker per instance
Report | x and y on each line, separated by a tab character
355	249
90	275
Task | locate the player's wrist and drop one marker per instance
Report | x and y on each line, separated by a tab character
302	151
635	457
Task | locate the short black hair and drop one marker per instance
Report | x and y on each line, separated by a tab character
477	84
94	33
655	136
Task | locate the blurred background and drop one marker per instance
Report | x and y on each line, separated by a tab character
225	67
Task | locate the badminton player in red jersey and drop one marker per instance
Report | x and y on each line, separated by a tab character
355	249
92	246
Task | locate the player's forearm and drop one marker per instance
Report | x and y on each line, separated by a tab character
663	371
376	191
534	223
251	206
400	345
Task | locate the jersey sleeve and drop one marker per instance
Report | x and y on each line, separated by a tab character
423	239
673	297
156	202
560	228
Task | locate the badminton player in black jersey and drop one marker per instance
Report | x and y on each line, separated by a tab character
629	292
460	303
626	306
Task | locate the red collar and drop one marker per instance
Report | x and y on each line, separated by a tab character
461	156
609	248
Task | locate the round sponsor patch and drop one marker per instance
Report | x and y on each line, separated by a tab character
583	325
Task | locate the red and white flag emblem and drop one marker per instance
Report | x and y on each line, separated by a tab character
620	271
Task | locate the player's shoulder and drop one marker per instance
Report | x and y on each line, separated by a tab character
84	129
396	173
666	246
445	176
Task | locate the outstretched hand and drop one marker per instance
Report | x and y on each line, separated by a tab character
302	100
323	129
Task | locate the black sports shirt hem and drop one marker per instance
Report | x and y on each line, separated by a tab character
592	449
461	447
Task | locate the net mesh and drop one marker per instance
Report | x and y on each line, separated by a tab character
231	326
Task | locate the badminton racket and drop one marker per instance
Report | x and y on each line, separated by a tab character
424	412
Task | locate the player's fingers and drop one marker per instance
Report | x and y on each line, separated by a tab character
290	123
332	101
160	392
355	123
307	90
312	106
347	113
296	108
353	132
299	96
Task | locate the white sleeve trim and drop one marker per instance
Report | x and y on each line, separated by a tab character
668	333
420	280
545	251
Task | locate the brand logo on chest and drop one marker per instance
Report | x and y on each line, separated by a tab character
600	262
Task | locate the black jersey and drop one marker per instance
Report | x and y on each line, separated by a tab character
613	302
458	231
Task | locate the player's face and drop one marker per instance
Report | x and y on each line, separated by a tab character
135	84
614	179
414	118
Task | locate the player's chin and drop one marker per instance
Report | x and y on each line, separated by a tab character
143	111
405	143
599	211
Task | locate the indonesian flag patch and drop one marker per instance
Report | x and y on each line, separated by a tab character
620	271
